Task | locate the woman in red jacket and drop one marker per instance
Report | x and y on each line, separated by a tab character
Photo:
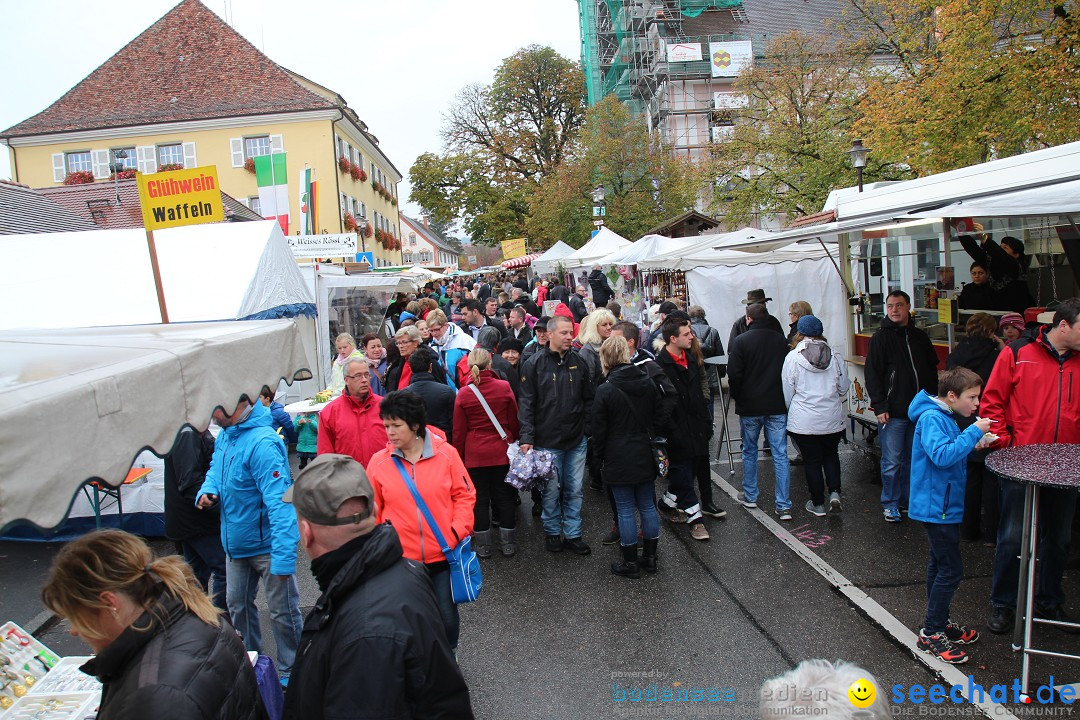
442	481
483	449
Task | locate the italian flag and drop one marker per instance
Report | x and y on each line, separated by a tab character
273	181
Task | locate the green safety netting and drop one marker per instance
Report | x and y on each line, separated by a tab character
693	8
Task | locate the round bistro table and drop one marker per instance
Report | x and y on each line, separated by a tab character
1035	466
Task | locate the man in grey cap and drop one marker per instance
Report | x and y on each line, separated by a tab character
753	297
374	645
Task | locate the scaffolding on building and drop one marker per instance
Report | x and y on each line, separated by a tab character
625	52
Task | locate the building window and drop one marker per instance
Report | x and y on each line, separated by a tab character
130	162
255	205
170	155
77	161
256	146
412	238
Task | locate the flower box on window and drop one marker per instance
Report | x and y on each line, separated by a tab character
349	221
125	174
79	177
343	164
170	166
355	171
249	165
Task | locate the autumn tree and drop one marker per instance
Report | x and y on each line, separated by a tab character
973	79
643	183
790	140
500	142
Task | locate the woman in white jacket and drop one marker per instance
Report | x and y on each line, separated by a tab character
815	383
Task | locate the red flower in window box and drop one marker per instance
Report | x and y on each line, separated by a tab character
170	166
249	165
125	174
354	171
343	164
393	201
349	221
368	232
363	175
79	177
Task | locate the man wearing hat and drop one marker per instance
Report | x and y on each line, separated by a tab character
662	311
539	340
374	644
753	297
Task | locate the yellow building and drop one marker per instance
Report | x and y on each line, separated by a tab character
191	91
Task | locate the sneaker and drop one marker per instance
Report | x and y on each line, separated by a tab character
612	537
698	531
577	546
892	515
834	502
941	647
816	510
713	511
784	514
959	634
746	503
1001	620
553	543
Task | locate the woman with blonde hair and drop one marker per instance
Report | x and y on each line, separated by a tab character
160	642
483	450
795	311
595	328
346	347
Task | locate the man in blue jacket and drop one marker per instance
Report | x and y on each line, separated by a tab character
248	475
280	420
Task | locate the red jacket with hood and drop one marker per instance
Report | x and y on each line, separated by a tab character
352	427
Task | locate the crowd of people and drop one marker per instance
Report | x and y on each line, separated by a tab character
411	457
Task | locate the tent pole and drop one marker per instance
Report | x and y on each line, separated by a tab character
157	276
843	278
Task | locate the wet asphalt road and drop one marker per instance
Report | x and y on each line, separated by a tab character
552	634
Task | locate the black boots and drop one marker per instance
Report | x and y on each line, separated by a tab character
628	567
648	555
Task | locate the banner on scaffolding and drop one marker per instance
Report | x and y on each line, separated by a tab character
684	52
729	58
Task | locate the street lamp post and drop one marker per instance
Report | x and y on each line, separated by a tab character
858	155
119	157
599	210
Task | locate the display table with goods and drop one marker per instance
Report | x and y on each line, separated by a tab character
1053	466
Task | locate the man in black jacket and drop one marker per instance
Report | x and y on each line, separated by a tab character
553	407
577	304
475	319
438	397
900	362
601	289
197	533
755	363
753	297
559	292
374	645
689	429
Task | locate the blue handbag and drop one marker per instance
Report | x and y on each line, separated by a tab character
465	578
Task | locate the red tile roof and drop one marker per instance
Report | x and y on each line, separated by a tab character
189	65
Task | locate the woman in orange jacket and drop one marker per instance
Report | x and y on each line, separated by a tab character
442	481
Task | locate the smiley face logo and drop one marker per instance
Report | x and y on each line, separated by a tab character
862	693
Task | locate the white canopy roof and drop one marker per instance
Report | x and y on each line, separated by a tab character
546	263
647	247
702	252
83	403
219	271
1060	199
421	271
602	244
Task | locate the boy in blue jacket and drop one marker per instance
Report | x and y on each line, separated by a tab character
938	477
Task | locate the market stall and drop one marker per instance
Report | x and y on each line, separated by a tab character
520	262
549	261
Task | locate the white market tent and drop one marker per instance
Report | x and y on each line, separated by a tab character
704	250
647	247
602	244
549	261
220	271
424	273
83	403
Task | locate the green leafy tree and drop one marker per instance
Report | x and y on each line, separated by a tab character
974	79
789	144
643	183
500	141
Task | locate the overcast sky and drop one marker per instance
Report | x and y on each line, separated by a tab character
398	64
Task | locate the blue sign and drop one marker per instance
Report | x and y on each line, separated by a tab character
368	257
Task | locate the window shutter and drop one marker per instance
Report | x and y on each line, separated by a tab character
189	155
100	164
146	155
236	149
244	202
277	144
59	169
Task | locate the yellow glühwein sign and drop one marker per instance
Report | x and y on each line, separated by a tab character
180	197
513	248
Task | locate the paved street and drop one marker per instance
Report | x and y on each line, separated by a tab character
553	633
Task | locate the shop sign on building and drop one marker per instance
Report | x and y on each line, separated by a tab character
684	52
513	248
324	245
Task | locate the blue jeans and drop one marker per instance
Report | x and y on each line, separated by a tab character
207	559
282	599
896	438
776	433
1056	508
639	497
444	598
943	573
562	496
